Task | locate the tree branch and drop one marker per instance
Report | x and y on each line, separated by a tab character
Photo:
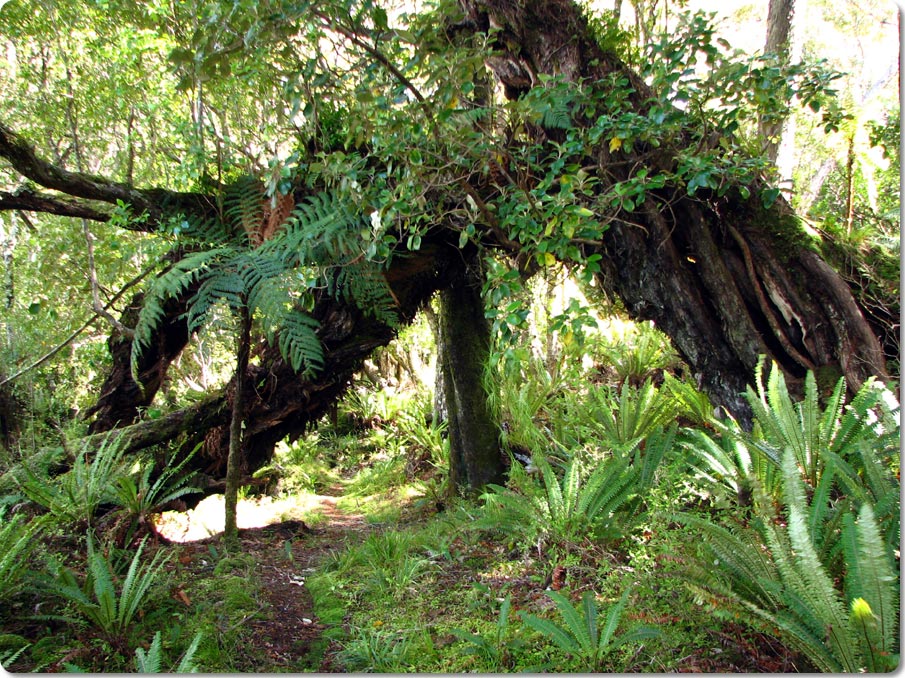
28	200
156	201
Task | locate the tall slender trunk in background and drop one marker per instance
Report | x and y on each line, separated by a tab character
778	135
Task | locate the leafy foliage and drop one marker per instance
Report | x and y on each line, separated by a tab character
497	649
581	635
776	572
152	660
317	243
74	496
112	609
566	511
624	422
139	497
17	539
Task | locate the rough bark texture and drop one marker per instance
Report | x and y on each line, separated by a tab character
121	398
281	403
726	278
474	447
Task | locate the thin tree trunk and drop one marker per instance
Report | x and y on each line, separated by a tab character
777	136
236	424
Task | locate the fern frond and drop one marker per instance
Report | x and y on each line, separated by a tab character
553	631
613	617
171	284
222	285
363	284
872	577
299	343
243	207
576	625
149	662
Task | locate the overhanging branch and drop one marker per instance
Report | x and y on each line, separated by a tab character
155	202
29	200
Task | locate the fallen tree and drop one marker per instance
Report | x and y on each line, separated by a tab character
725	270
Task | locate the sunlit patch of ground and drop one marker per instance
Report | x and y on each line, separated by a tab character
207	518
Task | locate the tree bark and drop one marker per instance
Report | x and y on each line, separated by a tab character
725	277
281	403
474	448
121	398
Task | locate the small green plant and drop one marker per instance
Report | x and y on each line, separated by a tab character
581	636
376	651
623	422
784	575
74	496
111	608
646	351
12	647
496	650
563	512
394	580
152	660
17	539
139	497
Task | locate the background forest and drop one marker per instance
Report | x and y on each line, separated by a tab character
392	337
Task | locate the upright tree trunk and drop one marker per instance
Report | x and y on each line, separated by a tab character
474	446
236	424
777	136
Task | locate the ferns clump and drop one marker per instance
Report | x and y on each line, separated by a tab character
817	558
252	263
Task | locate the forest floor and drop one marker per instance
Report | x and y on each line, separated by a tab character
284	633
288	632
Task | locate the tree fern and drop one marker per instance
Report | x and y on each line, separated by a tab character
320	239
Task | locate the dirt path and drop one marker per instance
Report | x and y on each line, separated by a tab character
285	555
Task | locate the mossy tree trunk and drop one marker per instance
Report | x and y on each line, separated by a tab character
729	277
474	447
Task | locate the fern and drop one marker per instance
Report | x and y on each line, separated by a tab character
97	599
568	510
242	206
152	660
778	573
364	285
299	343
171	284
16	542
74	496
623	423
139	497
580	634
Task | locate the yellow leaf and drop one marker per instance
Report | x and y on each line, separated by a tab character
549	259
615	144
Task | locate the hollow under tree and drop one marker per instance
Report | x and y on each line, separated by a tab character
728	275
